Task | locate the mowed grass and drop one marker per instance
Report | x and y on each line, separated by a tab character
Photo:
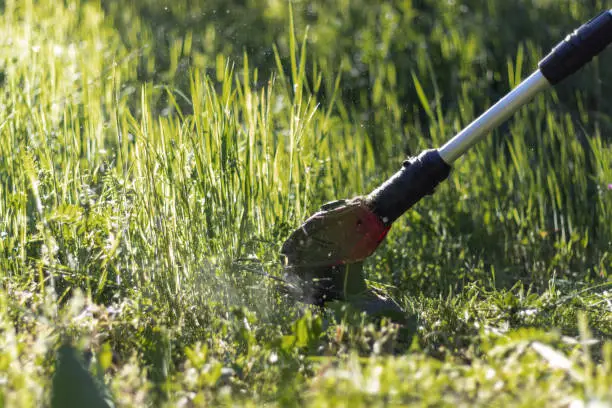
149	176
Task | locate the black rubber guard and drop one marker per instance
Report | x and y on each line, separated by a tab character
578	48
418	177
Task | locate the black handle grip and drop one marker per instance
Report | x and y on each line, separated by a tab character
418	177
578	48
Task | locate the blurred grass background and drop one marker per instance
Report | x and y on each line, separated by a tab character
155	155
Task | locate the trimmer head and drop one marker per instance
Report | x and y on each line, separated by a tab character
326	252
324	257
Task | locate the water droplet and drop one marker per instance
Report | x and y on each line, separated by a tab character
273	358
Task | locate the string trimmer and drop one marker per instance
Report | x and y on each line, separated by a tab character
324	256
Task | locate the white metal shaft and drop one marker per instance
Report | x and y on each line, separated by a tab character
493	117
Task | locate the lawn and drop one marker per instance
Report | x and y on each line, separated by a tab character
154	156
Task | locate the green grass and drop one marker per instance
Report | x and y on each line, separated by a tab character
154	158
